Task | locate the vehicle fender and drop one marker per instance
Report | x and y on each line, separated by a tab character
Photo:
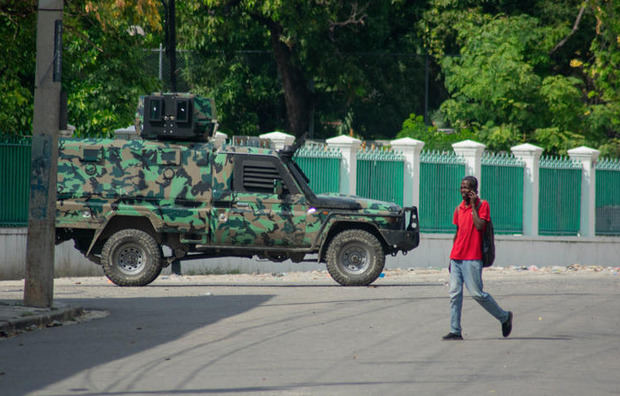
337	224
115	221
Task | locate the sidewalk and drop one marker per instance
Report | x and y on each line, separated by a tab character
15	317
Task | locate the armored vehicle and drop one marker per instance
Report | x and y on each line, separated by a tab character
121	201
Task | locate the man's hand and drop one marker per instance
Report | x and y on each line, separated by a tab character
473	197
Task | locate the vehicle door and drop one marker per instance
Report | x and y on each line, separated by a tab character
265	208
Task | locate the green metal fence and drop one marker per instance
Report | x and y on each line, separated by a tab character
380	175
440	182
322	166
14	181
560	196
501	184
608	197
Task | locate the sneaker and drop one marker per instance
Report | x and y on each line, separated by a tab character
452	337
507	325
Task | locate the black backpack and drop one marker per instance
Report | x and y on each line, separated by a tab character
488	244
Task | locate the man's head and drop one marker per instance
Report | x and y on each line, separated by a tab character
469	186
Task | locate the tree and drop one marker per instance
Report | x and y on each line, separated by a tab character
540	71
320	50
270	65
433	138
602	74
290	31
17	65
501	84
103	62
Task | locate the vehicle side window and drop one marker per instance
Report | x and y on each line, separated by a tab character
257	175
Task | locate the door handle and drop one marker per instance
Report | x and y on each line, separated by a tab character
243	204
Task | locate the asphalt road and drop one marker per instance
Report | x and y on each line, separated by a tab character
301	334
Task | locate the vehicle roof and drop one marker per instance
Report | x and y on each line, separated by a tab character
247	150
226	148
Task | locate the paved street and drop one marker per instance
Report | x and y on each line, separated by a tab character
299	334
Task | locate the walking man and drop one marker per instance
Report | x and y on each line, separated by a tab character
470	218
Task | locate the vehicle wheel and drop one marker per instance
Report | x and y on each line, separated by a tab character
355	258
131	258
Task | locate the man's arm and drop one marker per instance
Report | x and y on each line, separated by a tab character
478	222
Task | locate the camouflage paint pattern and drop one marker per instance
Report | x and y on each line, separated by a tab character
187	189
169	184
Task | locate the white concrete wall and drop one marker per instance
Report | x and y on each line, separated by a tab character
434	251
68	261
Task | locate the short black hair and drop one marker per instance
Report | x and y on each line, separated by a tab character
473	182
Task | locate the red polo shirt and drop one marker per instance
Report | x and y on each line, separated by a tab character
468	242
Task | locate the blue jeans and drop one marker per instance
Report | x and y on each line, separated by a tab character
470	273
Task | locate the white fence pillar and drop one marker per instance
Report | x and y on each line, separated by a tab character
219	139
349	147
529	154
411	149
472	153
587	157
279	139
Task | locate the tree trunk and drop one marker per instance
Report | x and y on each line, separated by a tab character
297	96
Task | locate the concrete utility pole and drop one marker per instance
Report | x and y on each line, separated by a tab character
39	287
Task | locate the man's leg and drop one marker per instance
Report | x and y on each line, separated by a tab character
472	276
456	296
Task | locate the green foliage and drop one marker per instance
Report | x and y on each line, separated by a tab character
499	137
604	71
523	74
555	140
247	99
17	66
103	67
339	48
494	80
102	64
513	72
433	138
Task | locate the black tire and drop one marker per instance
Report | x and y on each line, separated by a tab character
355	258
131	258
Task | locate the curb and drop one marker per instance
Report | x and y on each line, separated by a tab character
45	317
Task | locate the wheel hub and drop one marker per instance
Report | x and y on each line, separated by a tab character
354	258
130	259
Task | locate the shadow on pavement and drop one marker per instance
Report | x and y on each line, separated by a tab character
35	360
556	338
291	285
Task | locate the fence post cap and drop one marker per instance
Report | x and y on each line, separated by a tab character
407	142
343	140
279	139
219	139
468	144
276	134
526	148
584	153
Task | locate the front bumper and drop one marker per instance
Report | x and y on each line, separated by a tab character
407	238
